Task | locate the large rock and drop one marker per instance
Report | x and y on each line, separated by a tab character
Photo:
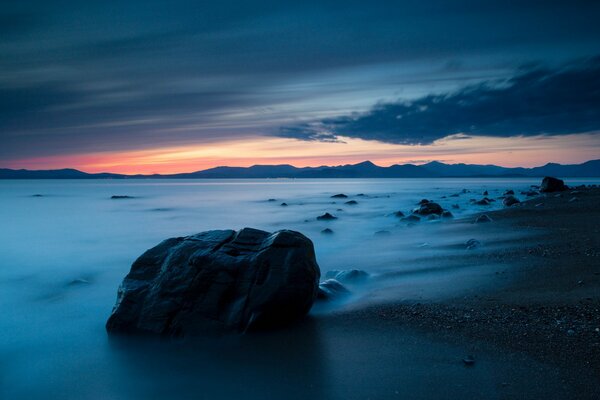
218	281
550	184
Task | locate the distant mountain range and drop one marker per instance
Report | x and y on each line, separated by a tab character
362	170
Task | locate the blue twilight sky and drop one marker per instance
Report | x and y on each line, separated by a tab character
89	78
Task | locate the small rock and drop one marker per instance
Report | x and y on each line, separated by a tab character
472	244
383	233
327	231
483	218
550	184
429	208
573	199
339	196
447	214
331	290
570	332
351	202
79	281
326	217
483	202
411	218
349	275
284	204
510	201
469	360
423	201
272	200
120	197
37	195
509	192
455	206
399	214
485	193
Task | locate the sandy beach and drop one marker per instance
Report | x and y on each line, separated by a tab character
545	303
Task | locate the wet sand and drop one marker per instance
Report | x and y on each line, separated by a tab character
543	302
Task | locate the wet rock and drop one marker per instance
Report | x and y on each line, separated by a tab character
326	217
37	195
120	197
339	196
454	195
429	208
272	200
423	201
530	193
284	204
78	282
550	184
433	217
218	281
447	214
411	218
351	202
383	233
327	231
485	193
332	290
510	201
455	206
472	244
483	218
399	214
469	360
509	192
360	195
483	202
348	276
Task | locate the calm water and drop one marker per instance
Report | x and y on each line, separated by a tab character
62	256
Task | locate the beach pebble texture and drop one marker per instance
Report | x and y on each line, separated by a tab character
216	282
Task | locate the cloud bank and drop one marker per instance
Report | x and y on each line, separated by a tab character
534	102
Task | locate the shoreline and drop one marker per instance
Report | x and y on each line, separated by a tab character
547	302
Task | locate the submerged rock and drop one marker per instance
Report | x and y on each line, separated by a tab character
482	202
327	231
339	196
423	201
348	275
509	192
332	290
447	214
120	197
472	244
399	214
351	202
284	204
383	233
272	200
510	200
483	218
550	184
485	193
326	217
411	218
218	281
429	208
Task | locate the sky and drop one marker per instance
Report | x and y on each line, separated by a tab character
179	86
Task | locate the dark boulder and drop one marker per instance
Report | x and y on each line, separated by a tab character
482	202
510	200
120	197
485	193
284	204
509	192
218	281
423	201
550	184
326	217
429	208
351	202
399	214
339	196
472	244
332	290
327	231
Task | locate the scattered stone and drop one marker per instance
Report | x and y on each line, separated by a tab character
472	244
429	208
510	200
530	193
351	202
455	206
469	360
423	201
411	218
509	192
399	214
447	214
550	184
483	218
360	195
327	231
284	204
483	202
454	195
326	217
79	281
120	197
272	200
218	281
339	196
331	290
383	233
37	195
485	193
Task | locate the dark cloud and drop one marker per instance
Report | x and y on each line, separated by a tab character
535	102
77	76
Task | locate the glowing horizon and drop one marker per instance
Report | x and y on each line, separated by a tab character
531	152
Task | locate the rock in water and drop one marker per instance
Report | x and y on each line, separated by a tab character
429	208
510	200
218	281
483	218
326	217
550	184
339	196
332	290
